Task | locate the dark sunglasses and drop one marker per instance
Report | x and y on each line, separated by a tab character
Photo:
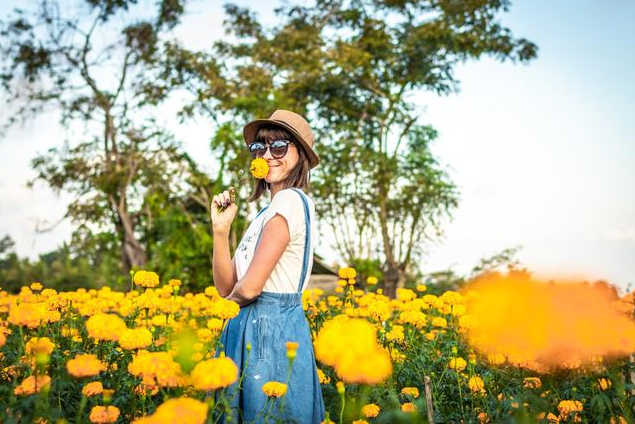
278	149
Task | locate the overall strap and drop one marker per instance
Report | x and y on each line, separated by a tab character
307	238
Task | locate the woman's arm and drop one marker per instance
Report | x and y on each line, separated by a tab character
223	267
274	240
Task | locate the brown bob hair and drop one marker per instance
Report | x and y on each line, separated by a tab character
298	177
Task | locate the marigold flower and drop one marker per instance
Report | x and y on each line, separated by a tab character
414	318
105	327
214	374
259	168
408	407
347	273
274	389
371	281
421	288
32	385
174	283
532	383
439	322
135	338
93	388
322	377
360	422
146	279
215	325
36	286
104	414
370	410
29	315
156	368
476	385
457	364
566	407
410	391
177	410
225	309
37	345
84	365
604	383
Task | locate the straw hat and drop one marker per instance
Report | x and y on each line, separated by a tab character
292	122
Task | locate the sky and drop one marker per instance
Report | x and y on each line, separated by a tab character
543	153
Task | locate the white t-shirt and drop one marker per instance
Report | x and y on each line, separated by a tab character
285	277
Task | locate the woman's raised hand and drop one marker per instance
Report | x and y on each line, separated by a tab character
222	220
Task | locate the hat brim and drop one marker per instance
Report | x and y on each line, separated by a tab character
250	130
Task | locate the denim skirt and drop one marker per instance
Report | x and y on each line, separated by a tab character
267	324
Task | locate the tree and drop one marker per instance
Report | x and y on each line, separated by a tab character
351	67
60	57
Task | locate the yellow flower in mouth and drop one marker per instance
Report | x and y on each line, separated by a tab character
259	168
274	389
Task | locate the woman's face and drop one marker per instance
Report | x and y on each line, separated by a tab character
280	168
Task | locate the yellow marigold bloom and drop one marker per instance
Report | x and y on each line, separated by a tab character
214	373
405	295
360	422
347	273
225	309
476	385
84	365
532	383
421	288
408	407
105	327
439	322
29	315
135	338
215	325
342	283
457	364
371	281
104	414
32	385
157	368
604	383
323	378
396	356
177	410
410	391
37	345
339	290
174	282
145	278
431	336
451	298
379	310
36	287
93	388
370	410
274	389
396	334
259	168
566	407
414	318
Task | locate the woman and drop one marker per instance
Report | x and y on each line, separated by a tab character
268	273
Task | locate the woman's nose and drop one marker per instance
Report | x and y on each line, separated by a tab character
267	154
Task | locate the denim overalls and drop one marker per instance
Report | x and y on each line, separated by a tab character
267	323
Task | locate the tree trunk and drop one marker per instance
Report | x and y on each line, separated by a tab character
133	254
394	278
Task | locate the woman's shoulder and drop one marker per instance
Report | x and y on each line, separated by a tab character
292	194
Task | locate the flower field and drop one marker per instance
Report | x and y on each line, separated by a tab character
149	355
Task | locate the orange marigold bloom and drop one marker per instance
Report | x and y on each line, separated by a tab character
476	385
104	414
105	327
274	389
85	365
410	391
37	345
157	368
214	373
32	385
28	315
93	388
135	338
371	410
408	407
177	410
